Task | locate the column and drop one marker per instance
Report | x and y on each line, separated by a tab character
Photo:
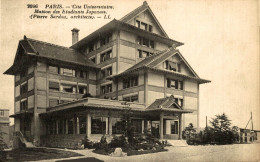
74	125
63	126
142	126
77	130
180	126
88	124
110	126
161	126
57	127
67	127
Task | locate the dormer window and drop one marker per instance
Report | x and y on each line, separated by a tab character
145	42
143	26
173	66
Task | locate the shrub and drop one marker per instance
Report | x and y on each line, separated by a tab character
118	141
219	133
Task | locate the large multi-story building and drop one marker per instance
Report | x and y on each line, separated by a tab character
63	94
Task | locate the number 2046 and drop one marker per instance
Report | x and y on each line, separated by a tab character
32	5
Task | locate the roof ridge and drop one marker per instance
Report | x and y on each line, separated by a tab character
160	53
133	11
50	44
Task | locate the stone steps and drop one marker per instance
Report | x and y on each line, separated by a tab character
177	143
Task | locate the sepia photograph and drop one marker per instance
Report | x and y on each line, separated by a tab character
140	80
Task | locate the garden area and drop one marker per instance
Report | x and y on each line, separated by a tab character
129	143
219	132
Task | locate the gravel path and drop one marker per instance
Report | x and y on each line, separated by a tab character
236	152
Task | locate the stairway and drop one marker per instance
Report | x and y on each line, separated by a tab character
177	143
23	140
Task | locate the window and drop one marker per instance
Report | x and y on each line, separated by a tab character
93	59
82	89
24	105
68	72
82	124
68	88
176	84
54	69
23	73
137	24
145	42
109	71
143	54
106	72
105	40
131	98
81	74
23	88
53	102
179	101
106	89
143	26
91	47
98	125
2	113
117	126
130	82
173	66
54	86
106	56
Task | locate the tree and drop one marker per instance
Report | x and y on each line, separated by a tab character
221	123
221	130
3	145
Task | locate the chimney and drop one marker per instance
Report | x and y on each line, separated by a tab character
75	35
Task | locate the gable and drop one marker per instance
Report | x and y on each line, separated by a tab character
179	63
144	15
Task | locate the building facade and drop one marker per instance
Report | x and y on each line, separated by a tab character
63	94
4	126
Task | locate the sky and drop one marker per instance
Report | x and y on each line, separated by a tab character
221	43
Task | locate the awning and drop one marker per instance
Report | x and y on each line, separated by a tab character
22	113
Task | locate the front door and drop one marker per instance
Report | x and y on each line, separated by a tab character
25	126
155	128
175	127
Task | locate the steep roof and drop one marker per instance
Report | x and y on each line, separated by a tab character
116	24
167	104
51	51
139	10
154	60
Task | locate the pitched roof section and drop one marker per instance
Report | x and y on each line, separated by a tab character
166	104
50	51
154	60
56	52
114	25
139	10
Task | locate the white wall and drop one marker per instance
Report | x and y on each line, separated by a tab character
155	79
190	86
191	102
152	96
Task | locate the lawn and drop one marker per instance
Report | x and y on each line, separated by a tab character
31	154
